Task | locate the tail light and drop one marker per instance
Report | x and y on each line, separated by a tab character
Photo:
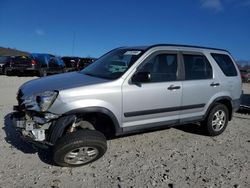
33	62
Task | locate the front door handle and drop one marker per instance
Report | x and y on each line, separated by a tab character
214	84
172	87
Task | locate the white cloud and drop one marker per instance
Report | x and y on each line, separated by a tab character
39	32
215	5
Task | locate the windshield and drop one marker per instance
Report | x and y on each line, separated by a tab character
113	64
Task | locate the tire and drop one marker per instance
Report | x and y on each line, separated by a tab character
217	120
79	148
42	72
6	72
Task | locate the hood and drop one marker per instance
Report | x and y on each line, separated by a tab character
59	82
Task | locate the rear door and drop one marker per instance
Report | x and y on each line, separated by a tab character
230	75
199	85
156	102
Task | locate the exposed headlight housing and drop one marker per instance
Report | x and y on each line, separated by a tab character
46	99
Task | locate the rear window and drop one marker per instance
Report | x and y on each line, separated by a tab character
22	59
42	59
225	63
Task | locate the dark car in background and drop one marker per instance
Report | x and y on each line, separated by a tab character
71	63
49	64
84	62
21	64
38	64
245	75
4	63
76	63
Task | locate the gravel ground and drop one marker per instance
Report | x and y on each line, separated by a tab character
175	157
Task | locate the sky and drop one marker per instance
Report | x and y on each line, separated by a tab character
93	27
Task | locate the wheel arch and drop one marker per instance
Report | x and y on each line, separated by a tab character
227	101
58	128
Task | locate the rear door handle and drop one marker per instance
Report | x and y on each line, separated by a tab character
214	84
172	87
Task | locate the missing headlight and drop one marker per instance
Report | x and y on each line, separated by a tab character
46	99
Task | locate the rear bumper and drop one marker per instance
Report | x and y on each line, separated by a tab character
23	69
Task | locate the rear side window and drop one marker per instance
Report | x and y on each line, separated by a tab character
225	63
197	67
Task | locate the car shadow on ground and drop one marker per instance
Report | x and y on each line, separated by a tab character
192	128
14	139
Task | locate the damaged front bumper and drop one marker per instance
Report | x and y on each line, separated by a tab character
32	126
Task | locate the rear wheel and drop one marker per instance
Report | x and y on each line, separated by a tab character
217	120
79	148
6	72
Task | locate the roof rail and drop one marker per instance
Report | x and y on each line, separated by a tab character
183	45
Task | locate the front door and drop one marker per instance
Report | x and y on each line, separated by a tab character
157	100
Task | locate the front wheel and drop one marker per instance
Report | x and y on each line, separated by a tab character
217	120
79	148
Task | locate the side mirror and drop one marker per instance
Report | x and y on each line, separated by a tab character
141	77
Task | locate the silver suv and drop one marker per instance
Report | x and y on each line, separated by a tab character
128	90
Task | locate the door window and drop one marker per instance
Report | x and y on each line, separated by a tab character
162	68
197	67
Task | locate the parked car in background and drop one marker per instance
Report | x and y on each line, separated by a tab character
5	62
76	63
38	64
55	66
245	75
71	63
20	64
84	62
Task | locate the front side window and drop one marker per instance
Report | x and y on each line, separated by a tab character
225	63
162	68
197	67
114	64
